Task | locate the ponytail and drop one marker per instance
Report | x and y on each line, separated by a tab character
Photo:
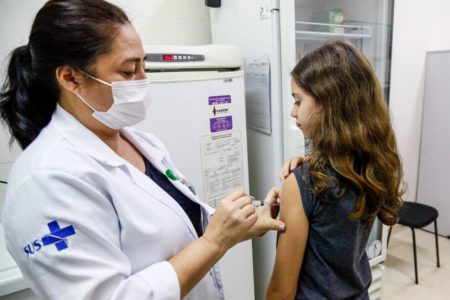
24	105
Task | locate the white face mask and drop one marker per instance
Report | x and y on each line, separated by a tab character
131	100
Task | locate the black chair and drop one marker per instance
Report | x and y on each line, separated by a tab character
418	215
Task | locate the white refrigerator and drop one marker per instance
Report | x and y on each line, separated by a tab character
272	35
198	111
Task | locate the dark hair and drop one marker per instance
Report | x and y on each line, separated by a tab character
353	135
64	33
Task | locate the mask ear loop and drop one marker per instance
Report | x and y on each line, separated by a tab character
95	78
85	102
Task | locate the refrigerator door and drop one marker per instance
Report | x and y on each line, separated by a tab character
200	117
254	27
259	42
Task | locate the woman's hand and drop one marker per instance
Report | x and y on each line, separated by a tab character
267	214
291	164
229	225
235	220
231	221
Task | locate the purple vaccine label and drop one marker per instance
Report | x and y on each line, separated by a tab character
221	124
214	100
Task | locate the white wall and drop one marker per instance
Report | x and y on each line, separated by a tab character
169	22
184	22
15	22
419	26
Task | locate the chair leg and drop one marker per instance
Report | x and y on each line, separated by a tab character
415	255
389	236
437	243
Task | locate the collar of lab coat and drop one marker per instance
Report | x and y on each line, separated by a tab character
83	139
87	142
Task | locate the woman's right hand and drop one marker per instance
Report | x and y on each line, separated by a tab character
231	221
291	164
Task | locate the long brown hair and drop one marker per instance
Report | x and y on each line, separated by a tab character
353	135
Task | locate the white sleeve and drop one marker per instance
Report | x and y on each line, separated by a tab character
65	236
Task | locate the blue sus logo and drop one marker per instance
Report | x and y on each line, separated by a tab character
57	236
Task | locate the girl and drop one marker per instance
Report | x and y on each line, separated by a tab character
352	176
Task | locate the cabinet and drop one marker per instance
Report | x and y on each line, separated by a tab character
433	185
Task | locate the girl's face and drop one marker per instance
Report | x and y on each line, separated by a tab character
305	109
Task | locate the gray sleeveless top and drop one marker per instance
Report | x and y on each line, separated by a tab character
335	265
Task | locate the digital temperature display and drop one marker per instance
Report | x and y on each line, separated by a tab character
173	57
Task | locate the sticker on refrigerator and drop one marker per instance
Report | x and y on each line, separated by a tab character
221	124
220	116
222	165
216	100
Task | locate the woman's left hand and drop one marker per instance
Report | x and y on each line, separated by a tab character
267	214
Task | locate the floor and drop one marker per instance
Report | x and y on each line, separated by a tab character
398	280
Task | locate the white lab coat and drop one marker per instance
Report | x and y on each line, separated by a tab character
124	226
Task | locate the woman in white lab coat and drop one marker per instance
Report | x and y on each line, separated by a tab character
89	213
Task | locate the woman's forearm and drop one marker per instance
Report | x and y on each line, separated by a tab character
194	261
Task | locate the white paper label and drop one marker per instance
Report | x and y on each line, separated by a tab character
222	166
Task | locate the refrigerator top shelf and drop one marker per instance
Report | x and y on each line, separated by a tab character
314	30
